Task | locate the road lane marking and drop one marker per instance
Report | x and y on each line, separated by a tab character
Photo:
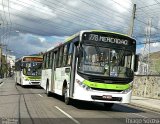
140	115
69	116
40	95
1	84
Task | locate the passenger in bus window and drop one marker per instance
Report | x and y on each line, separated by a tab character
114	69
106	65
90	59
93	58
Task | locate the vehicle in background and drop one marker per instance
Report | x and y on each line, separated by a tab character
28	70
91	65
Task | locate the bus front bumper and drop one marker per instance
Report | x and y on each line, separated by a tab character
31	83
102	96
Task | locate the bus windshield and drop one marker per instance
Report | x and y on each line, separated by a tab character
32	68
103	61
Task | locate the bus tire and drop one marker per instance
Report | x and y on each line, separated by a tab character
108	106
47	89
67	100
24	86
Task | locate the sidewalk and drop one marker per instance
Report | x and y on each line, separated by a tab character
1	80
148	103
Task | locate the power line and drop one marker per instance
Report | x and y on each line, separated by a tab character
120	4
146	6
4	20
73	22
67	12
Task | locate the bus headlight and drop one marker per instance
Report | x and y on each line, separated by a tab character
127	90
83	85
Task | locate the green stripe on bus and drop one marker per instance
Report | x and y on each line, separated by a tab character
106	86
72	37
33	77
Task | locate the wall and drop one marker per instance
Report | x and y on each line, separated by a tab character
147	86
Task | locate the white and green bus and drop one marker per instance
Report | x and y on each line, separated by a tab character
91	65
28	70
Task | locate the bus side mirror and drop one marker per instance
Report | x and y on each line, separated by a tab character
136	63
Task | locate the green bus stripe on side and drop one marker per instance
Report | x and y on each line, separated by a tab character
33	77
106	86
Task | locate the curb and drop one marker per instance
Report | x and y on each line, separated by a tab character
145	107
1	81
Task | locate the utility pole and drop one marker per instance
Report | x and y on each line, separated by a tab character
132	21
146	50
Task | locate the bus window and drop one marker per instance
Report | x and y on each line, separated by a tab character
57	57
60	56
47	60
65	55
51	60
70	54
43	62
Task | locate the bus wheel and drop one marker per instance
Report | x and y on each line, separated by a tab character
47	90
66	98
108	106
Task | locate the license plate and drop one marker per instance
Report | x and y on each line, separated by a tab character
107	97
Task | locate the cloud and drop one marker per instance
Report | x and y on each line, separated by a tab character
48	23
42	39
66	17
154	47
72	3
45	23
26	44
122	6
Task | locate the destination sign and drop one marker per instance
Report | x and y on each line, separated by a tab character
32	59
114	39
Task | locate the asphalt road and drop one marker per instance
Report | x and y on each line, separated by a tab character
30	105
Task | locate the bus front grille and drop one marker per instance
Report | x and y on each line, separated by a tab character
109	90
35	82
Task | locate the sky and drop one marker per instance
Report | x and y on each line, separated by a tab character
33	26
